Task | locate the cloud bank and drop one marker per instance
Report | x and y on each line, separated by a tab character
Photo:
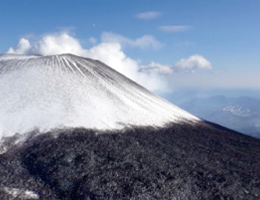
109	51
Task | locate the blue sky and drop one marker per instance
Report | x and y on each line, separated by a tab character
169	43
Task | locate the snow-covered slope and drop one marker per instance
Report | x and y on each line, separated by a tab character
61	91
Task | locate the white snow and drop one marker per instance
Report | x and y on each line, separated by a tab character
62	91
237	110
20	193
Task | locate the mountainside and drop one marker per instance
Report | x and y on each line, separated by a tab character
73	129
241	114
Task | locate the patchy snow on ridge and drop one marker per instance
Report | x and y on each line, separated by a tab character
237	110
63	91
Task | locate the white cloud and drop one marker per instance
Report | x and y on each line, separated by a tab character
22	46
174	28
108	51
148	15
193	62
144	42
48	45
154	67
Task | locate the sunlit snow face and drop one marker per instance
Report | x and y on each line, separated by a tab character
69	91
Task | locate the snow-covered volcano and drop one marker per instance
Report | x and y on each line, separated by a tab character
187	159
66	91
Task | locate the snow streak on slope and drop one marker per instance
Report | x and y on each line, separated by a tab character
62	91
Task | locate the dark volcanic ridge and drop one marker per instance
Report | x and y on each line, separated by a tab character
180	161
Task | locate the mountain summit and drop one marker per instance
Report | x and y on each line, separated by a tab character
64	91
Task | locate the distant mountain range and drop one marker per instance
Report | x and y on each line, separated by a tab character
241	114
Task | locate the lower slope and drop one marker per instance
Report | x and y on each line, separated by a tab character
181	161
